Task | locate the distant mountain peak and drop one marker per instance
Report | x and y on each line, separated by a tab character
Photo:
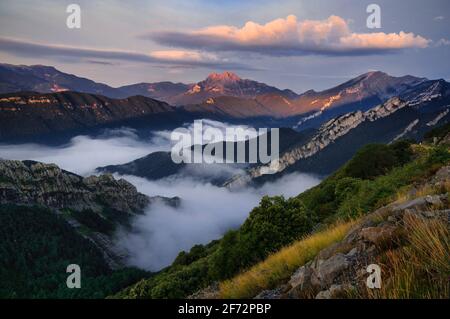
226	76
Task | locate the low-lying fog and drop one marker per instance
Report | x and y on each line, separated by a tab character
206	211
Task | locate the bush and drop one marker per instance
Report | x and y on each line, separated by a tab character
371	161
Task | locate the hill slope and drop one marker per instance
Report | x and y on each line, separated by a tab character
278	222
337	140
29	114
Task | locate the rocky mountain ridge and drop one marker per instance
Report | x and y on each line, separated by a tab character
360	93
433	93
34	183
47	79
101	199
227	84
363	91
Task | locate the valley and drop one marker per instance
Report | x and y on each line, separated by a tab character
95	162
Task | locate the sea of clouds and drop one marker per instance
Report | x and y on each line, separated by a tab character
206	211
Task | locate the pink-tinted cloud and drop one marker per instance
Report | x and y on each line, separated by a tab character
184	55
290	36
179	58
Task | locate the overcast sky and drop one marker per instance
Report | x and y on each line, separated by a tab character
295	44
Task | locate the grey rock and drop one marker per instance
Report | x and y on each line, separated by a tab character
270	294
330	269
301	283
380	235
335	291
33	183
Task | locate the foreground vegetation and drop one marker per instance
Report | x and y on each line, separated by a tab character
415	261
421	268
278	267
370	180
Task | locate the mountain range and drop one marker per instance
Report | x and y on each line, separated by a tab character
51	217
321	151
226	91
374	107
70	103
47	79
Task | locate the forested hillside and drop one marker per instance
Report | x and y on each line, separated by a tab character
36	246
370	180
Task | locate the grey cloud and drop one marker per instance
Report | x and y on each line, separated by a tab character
31	49
208	43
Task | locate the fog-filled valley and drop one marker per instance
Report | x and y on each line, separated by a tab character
206	211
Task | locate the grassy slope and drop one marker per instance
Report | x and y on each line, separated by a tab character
417	269
278	267
421	268
357	188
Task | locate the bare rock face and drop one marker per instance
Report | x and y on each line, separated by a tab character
301	284
380	235
34	183
328	270
327	134
335	292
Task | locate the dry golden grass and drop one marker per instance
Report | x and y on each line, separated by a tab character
403	196
421	268
278	267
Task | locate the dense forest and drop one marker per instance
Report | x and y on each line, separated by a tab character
36	246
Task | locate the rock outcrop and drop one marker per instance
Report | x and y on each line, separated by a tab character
340	270
339	127
327	134
34	183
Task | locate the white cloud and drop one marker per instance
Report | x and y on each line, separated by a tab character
83	154
290	36
179	55
206	212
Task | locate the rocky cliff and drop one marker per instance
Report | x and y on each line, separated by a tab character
34	183
327	134
421	109
102	198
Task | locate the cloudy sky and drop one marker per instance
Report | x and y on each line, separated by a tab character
294	44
